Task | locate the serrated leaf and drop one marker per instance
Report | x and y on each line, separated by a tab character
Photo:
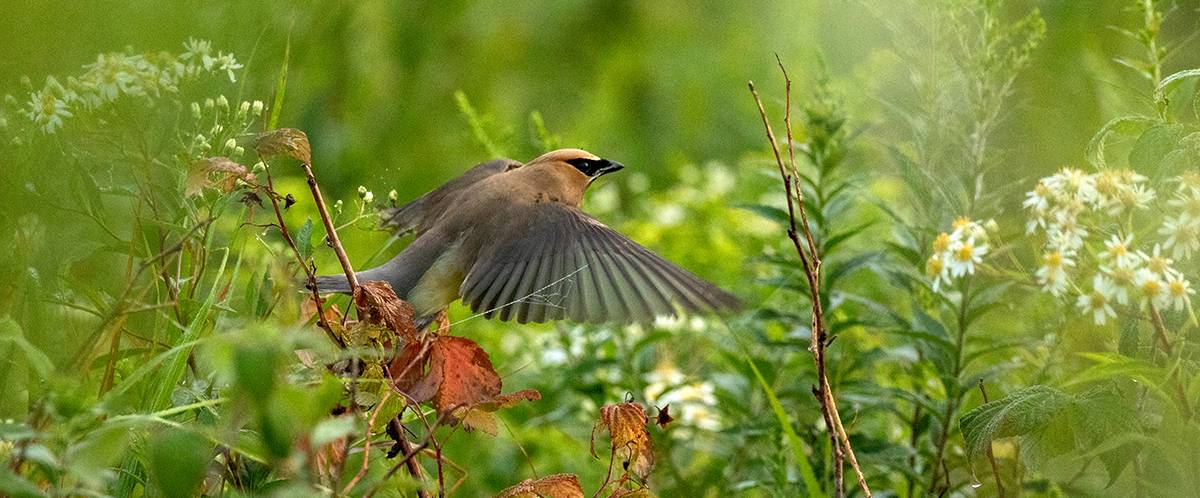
304	239
552	486
1020	413
284	142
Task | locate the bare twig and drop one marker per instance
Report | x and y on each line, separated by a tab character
811	262
810	259
308	271
367	444
330	229
990	454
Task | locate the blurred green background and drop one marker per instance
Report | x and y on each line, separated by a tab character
658	85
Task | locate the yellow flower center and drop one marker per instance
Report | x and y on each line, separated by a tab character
934	266
1152	287
960	223
1054	259
1158	264
942	242
1097	299
965	253
1177	288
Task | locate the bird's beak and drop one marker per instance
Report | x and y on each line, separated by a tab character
608	167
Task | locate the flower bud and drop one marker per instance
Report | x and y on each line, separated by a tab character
239	150
257	108
362	191
223	102
369	197
393	196
230	144
209	103
196	110
244	108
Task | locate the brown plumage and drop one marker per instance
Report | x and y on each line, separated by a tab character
511	242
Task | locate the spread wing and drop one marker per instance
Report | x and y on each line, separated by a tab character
566	264
418	215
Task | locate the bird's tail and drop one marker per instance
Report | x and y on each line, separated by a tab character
329	284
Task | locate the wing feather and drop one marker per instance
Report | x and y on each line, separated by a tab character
563	263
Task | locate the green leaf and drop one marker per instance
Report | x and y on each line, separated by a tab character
178	461
769	212
10	333
1125	125
16	486
1153	146
1161	92
304	239
280	86
332	429
1019	413
785	423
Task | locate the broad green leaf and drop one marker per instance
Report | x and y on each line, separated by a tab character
1125	125
178	461
304	239
1019	413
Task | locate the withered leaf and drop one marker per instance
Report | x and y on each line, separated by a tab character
379	305
642	492
480	415
664	416
626	425
287	142
408	367
201	173
553	486
460	381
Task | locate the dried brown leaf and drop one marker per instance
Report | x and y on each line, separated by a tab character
227	172
626	425
642	492
408	367
553	486
379	305
480	415
287	142
664	416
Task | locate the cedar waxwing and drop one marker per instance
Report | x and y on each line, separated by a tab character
511	242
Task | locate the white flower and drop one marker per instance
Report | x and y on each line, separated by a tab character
1098	302
1120	251
47	110
1123	279
964	255
1052	275
935	268
1153	289
256	108
226	62
369	197
1183	235
1038	199
1179	291
1156	261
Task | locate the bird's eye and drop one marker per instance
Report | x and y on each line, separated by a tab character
585	165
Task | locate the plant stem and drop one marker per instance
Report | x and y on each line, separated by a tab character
795	202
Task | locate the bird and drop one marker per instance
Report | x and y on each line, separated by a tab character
510	240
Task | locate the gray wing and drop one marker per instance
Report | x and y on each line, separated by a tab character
566	264
418	215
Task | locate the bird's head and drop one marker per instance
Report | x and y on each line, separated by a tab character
580	162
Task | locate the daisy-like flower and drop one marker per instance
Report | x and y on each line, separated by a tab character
1052	275
1067	235
1119	251
1123	280
1183	235
1152	287
1038	199
964	255
1075	183
111	75
226	62
1187	199
1156	261
47	110
1179	291
1098	302
197	54
935	268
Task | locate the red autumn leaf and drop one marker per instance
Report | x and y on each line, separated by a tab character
626	424
554	486
408	367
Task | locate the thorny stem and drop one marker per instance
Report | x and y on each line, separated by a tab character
812	274
990	454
